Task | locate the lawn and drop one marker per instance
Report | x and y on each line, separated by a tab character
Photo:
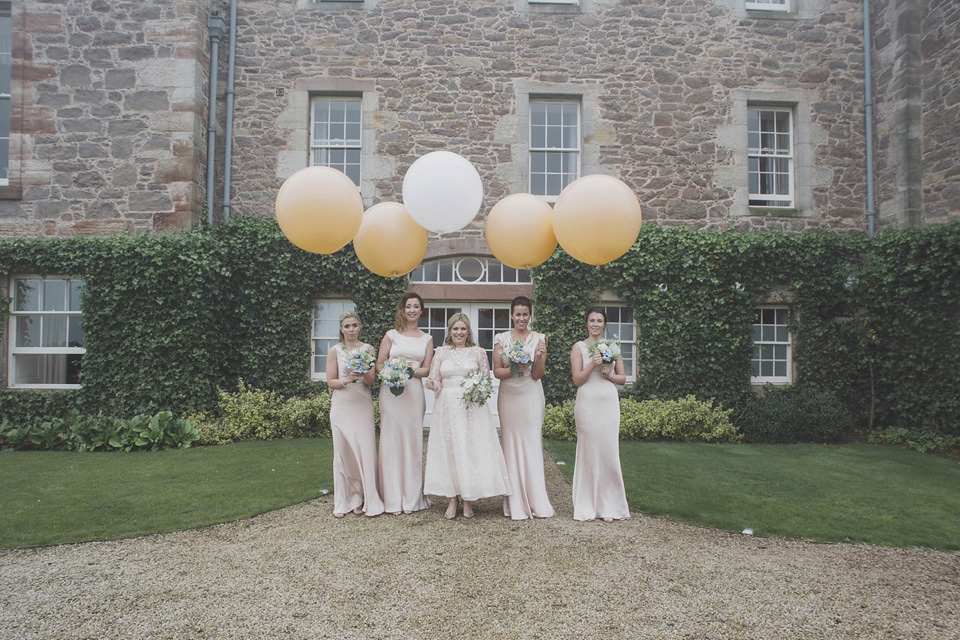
859	493
52	496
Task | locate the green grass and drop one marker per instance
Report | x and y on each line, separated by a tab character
874	494
50	497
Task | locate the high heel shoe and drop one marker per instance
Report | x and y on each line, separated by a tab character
451	511
466	505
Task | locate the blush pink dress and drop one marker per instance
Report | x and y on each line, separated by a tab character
597	480
354	446
400	475
520	403
463	452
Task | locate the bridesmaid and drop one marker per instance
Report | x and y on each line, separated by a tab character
401	417
520	403
597	481
351	421
464	459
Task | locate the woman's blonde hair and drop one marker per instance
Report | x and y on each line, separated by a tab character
344	316
399	320
454	319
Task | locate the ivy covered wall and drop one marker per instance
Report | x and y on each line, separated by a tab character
169	318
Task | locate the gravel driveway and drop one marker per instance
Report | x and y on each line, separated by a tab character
299	573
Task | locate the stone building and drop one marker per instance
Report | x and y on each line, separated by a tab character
742	114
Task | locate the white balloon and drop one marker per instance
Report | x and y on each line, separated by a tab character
442	191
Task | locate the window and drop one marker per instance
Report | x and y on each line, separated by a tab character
335	135
468	270
770	157
620	327
771	346
46	337
5	64
326	333
554	146
767	5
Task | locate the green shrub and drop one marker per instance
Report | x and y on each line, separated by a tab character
558	423
922	440
686	419
795	413
256	414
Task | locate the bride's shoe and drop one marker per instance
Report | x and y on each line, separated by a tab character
451	511
467	509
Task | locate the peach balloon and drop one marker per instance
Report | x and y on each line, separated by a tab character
390	243
519	231
596	219
319	209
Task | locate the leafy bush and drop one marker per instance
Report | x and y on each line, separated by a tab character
686	419
558	423
256	414
77	432
922	440
795	413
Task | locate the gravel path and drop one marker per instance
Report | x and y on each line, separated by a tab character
299	573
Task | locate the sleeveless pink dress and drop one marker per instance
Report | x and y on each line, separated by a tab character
400	475
520	403
354	446
597	480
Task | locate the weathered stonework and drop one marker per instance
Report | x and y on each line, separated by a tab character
110	98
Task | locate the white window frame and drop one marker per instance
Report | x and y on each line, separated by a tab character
784	340
322	336
546	148
335	144
767	5
6	66
761	151
477	270
67	312
628	348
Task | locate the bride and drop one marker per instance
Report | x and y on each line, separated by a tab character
464	458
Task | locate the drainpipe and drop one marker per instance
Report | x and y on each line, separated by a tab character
868	109
217	27
228	134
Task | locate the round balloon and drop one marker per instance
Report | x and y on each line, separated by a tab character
442	191
389	242
319	209
519	231
596	219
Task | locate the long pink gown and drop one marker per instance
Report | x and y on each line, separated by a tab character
520	403
463	452
401	433
597	480
354	446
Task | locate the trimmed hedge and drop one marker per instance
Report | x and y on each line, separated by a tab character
796	413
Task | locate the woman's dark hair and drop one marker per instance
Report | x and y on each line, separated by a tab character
399	320
521	301
595	310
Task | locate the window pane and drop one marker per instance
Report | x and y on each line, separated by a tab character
28	331
38	368
538	162
538	113
538	137
27	295
74	331
74	295
780	369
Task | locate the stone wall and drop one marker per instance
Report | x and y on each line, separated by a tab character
664	85
108	117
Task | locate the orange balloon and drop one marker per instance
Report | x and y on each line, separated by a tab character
596	219
519	231
390	243
319	209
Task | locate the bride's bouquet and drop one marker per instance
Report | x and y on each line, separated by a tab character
477	388
395	373
609	350
516	356
361	359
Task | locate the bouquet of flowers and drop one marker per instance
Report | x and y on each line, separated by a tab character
517	356
609	350
361	359
477	388
395	373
